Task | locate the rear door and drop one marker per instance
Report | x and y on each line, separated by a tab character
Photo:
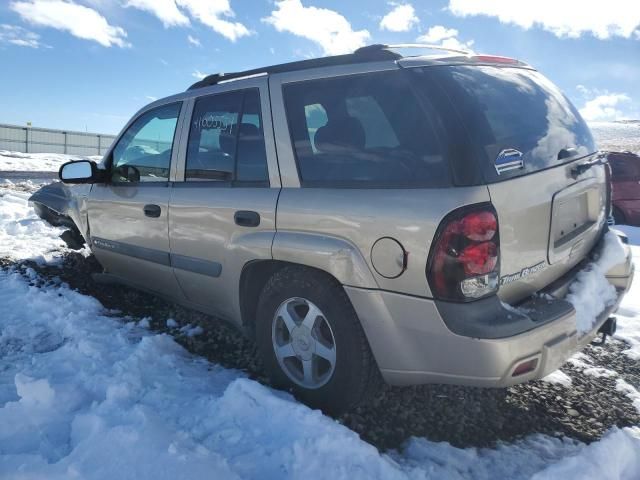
128	215
528	138
222	208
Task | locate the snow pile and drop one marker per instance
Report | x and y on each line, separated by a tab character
629	313
590	293
23	235
83	395
600	372
630	391
559	378
538	457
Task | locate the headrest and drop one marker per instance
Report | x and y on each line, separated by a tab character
340	133
249	130
227	140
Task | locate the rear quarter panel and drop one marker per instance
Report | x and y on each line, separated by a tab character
363	216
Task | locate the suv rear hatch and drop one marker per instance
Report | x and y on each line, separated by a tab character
526	139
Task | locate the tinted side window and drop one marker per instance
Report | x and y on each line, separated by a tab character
367	130
146	146
226	139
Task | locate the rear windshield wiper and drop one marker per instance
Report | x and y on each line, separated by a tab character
579	169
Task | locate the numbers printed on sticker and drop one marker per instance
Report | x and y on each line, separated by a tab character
224	122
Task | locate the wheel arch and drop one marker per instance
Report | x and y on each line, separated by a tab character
254	276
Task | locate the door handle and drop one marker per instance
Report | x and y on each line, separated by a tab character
247	218
152	211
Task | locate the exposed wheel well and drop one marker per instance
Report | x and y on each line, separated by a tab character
252	280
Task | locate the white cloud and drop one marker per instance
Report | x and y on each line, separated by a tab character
198	74
445	37
151	98
19	36
193	41
82	22
165	10
214	13
437	34
327	28
605	107
567	18
401	19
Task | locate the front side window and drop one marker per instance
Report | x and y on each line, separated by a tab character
143	153
367	130
226	139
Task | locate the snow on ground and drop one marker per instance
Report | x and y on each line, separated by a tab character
86	394
629	391
23	235
558	377
628	315
617	136
40	162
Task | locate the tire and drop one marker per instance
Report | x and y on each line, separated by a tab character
618	216
354	377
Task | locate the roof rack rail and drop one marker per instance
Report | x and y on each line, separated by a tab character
379	46
371	53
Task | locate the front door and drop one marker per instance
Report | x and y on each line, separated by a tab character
223	214
128	215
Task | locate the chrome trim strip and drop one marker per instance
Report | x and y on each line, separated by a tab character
196	265
181	262
143	253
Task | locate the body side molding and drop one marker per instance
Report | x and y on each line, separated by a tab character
182	262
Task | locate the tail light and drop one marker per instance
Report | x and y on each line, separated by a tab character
464	263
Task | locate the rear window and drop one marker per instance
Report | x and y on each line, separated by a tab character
511	114
366	131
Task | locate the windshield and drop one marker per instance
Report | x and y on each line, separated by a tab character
514	117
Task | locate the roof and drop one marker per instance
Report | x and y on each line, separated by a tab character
370	53
366	54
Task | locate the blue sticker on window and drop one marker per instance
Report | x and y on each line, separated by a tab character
509	159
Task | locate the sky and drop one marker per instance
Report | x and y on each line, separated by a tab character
89	65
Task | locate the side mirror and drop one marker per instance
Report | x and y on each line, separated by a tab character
82	171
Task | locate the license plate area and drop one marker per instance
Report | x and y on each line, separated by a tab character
577	214
571	217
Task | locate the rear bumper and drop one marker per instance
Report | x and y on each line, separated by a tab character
412	343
